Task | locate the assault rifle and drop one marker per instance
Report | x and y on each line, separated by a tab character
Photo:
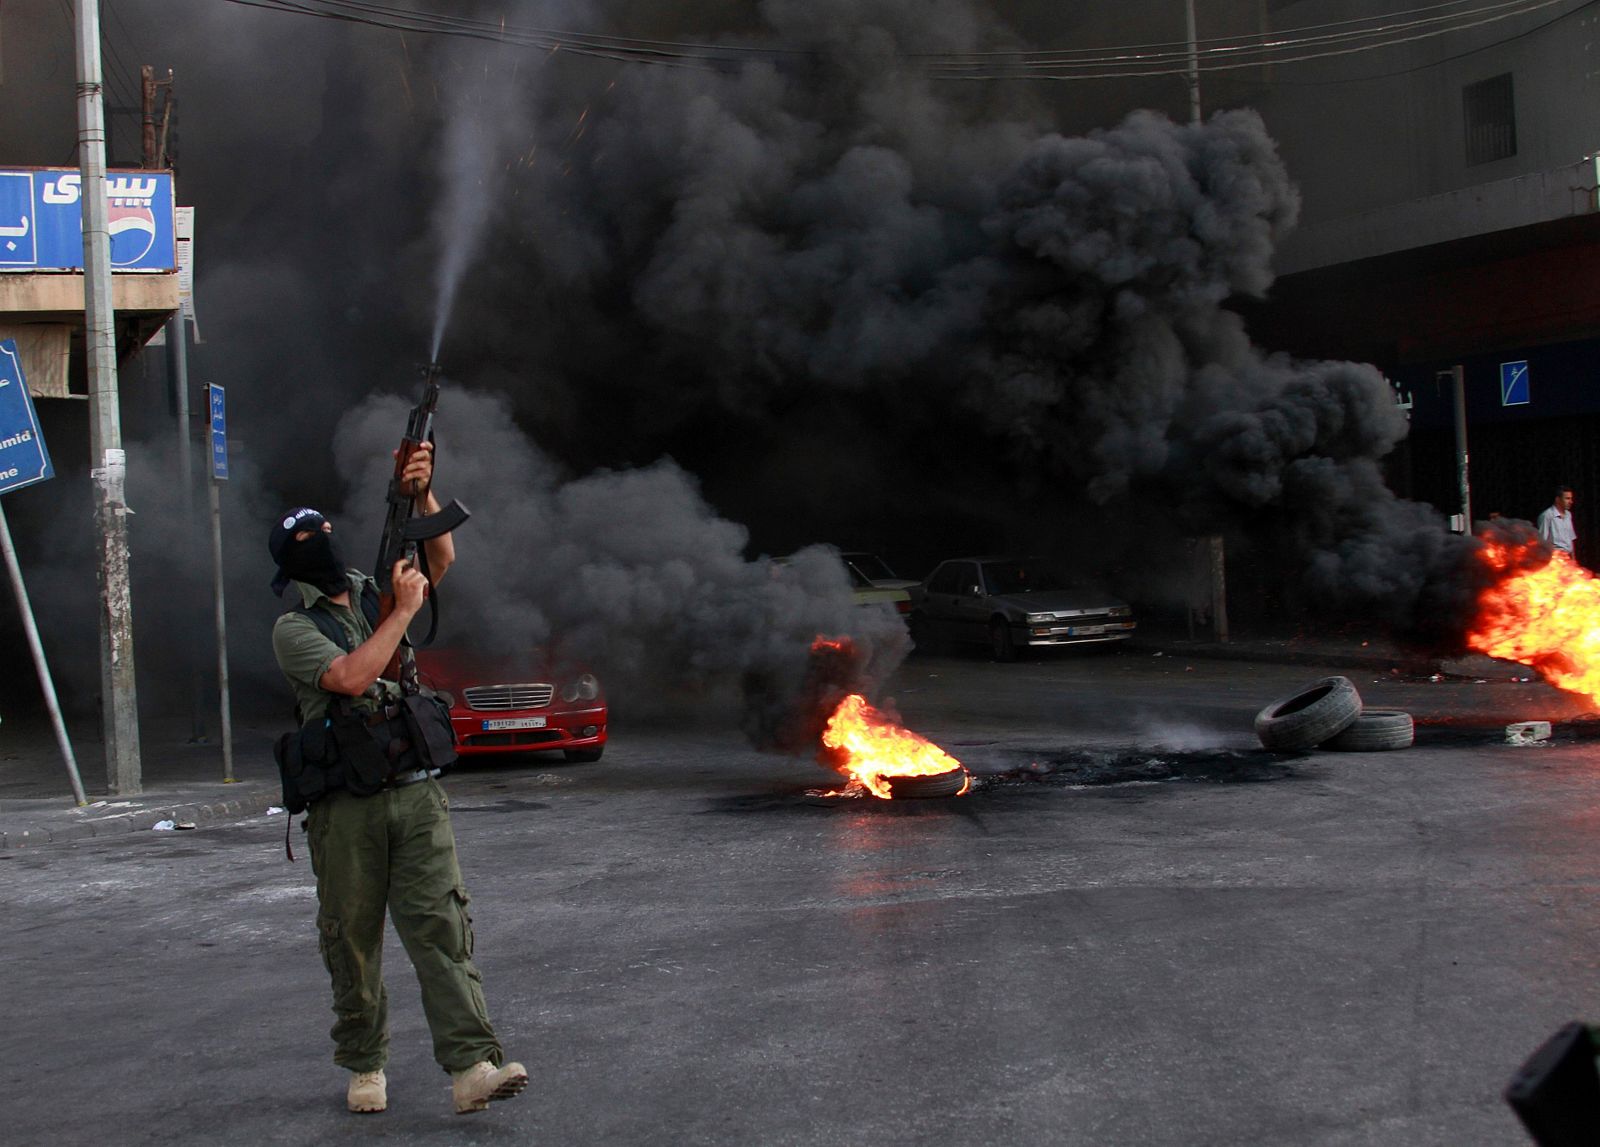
403	530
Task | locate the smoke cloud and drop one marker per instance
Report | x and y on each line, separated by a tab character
843	227
694	314
630	572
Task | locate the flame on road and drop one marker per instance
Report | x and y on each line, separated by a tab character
1546	617
872	750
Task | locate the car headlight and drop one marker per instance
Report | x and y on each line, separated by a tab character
1040	618
584	687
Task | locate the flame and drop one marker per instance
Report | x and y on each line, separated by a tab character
871	750
1548	617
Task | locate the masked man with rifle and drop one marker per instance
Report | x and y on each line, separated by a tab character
377	823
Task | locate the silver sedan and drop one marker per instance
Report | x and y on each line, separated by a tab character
1009	604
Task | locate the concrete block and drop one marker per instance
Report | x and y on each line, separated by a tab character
1527	732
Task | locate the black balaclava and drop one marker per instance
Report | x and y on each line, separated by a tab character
315	561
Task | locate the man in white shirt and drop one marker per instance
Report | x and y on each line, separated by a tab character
1555	524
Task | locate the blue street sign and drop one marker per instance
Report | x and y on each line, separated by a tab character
1514	384
23	458
219	432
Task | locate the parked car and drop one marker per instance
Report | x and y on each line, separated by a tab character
862	589
875	570
517	705
867	592
1011	604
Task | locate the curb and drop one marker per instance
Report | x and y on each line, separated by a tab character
250	803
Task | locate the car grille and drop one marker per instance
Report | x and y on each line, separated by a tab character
520	737
498	698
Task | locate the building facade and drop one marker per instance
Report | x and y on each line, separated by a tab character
1451	218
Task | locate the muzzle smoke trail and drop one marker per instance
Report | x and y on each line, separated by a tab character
481	115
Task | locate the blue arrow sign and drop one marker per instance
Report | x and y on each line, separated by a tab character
1514	383
219	432
23	458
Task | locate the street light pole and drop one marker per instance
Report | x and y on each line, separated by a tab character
108	462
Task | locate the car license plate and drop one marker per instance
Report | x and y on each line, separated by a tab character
497	723
1086	630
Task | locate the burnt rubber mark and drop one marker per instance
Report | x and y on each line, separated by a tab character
788	798
510	804
1009	772
1123	765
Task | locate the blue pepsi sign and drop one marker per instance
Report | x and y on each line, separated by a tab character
41	220
23	458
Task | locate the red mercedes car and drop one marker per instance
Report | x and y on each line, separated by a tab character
517	705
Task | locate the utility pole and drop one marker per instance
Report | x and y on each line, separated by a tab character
177	344
1457	377
147	115
1194	63
119	704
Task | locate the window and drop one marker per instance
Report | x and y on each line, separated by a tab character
954	577
1491	120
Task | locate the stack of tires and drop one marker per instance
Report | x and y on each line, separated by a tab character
1328	714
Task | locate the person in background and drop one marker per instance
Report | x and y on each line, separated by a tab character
1555	524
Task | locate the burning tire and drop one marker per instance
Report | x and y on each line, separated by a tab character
1309	717
936	785
1375	730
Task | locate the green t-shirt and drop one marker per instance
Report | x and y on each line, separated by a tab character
304	652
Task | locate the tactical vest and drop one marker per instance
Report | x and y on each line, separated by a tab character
361	750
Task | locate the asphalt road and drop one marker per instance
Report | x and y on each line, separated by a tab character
1139	929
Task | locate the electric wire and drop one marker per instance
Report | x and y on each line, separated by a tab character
573	43
115	70
114	79
1288	39
370	9
1311	42
1305	33
1450	59
1179	64
111	81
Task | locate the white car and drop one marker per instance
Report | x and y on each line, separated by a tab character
868	592
874	569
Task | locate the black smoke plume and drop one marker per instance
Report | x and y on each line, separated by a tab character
627	571
1043	317
708	312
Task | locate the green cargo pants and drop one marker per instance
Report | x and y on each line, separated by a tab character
396	850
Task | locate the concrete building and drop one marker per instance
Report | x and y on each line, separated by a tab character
43	312
1450	218
1446	158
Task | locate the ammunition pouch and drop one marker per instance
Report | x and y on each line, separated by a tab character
427	718
358	751
307	765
